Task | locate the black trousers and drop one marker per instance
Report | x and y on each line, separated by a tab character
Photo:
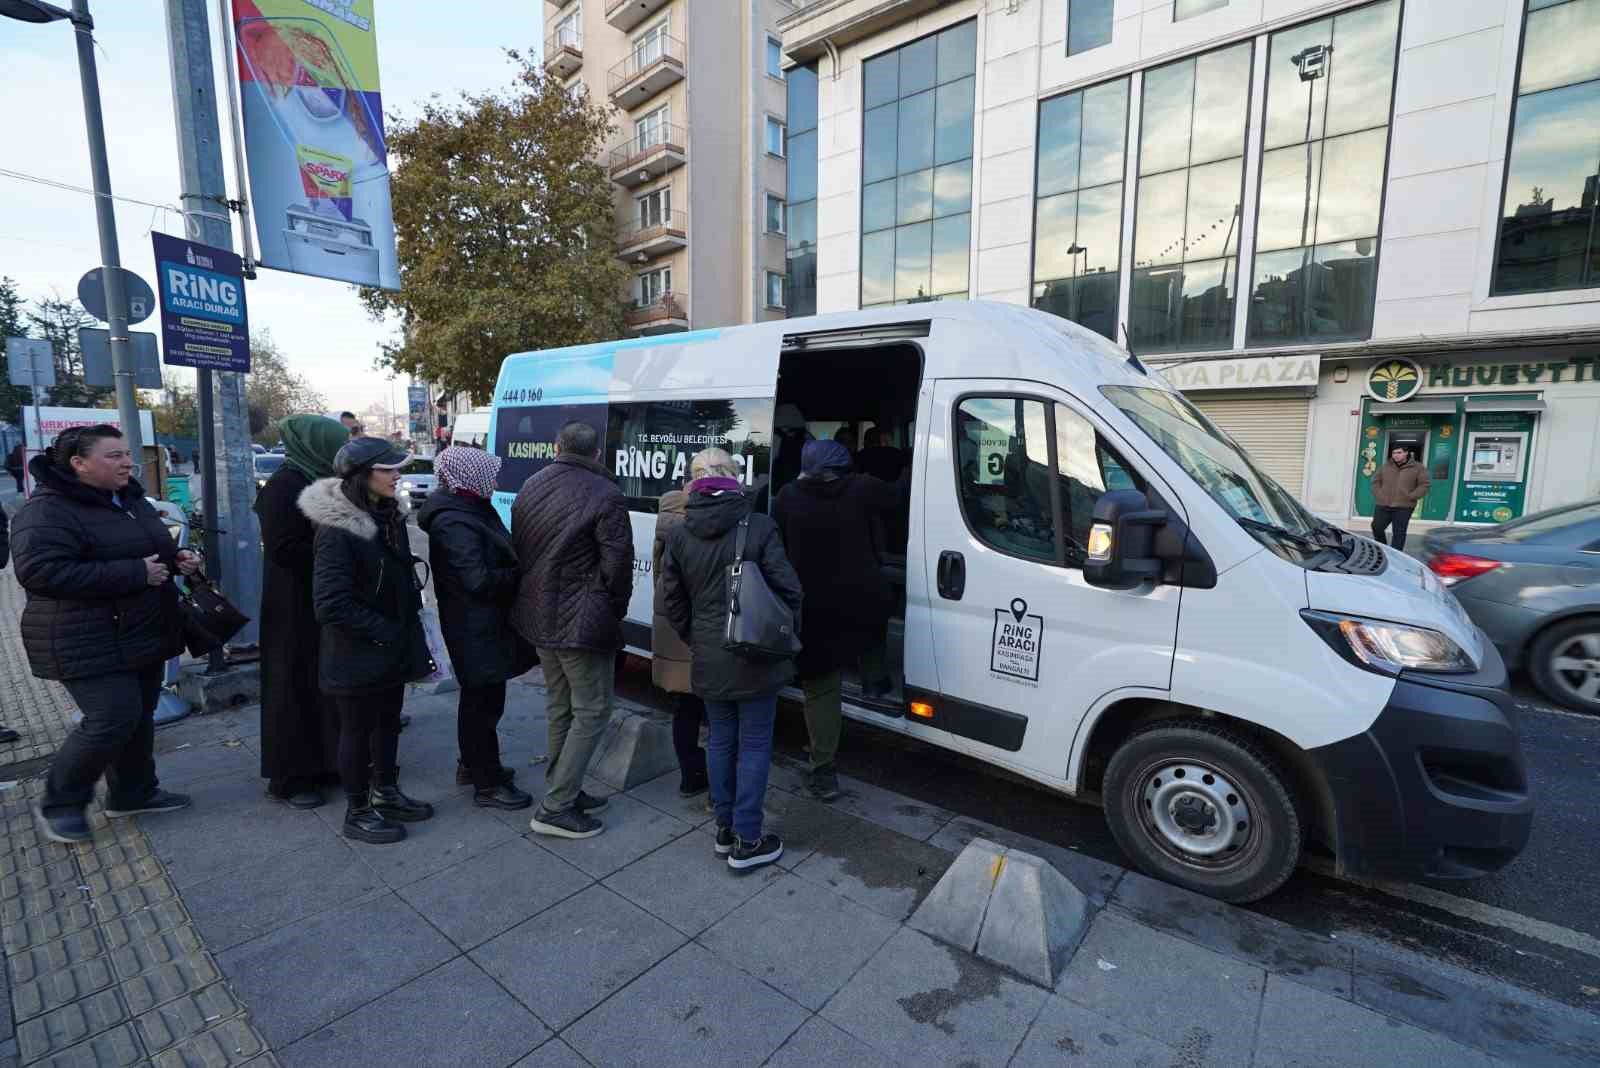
116	739
687	716
1383	517
369	736
477	715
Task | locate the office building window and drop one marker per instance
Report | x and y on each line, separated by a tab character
916	172
1077	219
774	214
1325	143
1088	24
1186	216
774	137
1548	235
774	289
775	58
1188	9
655	208
801	223
652	286
569	31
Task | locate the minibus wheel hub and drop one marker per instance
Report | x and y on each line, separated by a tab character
1192	810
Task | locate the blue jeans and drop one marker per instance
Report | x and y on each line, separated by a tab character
738	757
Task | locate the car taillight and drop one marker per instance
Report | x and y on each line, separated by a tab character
1455	567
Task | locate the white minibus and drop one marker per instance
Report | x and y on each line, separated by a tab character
1096	588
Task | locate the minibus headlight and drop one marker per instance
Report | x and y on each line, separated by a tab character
1099	548
1389	648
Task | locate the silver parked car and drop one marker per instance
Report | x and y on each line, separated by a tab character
1533	585
417	479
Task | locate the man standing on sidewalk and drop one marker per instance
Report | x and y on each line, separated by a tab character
1397	486
575	551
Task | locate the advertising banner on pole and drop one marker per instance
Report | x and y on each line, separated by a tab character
201	292
314	144
417	402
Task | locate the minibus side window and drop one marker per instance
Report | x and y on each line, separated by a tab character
1003	459
1087	469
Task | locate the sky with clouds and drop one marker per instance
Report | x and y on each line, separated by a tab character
48	237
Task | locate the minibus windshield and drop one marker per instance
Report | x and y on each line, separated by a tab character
1213	460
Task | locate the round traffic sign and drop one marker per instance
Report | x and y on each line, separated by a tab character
141	298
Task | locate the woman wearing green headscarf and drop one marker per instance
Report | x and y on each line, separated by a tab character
299	726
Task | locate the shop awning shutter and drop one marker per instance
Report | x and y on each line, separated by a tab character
1271	429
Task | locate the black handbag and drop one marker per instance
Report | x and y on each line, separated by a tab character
209	619
759	625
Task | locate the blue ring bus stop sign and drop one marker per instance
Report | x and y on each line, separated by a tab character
203	319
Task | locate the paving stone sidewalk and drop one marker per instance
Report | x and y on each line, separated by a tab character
476	943
40	710
243	932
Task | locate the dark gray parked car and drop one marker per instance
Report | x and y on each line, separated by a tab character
1533	585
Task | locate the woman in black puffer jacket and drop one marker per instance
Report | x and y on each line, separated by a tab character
475	579
367	598
741	693
102	618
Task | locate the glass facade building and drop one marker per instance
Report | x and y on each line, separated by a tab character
1190	192
916	170
1548	238
1324	154
1077	227
801	223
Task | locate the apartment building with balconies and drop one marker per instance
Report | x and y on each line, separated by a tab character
696	160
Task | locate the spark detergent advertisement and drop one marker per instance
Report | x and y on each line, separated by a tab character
313	129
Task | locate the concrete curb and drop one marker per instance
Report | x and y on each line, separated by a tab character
636	748
1010	908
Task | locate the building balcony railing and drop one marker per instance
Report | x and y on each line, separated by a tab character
563	53
649	154
641	242
648	69
624	15
666	314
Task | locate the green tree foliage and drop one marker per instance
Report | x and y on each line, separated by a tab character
12	324
177	412
507	232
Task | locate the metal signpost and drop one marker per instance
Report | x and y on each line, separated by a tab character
206	206
95	345
33	364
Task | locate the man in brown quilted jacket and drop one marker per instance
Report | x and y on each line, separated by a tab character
574	546
1397	486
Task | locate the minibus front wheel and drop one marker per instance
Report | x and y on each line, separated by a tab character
1205	808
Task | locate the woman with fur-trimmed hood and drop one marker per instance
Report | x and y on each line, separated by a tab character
367	596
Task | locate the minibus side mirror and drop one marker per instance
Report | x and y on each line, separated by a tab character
1122	534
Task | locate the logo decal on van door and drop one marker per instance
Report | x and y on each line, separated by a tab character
1018	638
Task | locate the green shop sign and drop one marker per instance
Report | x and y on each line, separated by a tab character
1399	379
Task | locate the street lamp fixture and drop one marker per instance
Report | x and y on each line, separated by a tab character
36	11
1312	61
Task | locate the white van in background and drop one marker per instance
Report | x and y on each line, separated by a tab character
1098	589
472	428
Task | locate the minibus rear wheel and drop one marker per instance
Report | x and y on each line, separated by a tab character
1205	808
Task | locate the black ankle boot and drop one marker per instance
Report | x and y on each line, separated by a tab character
387	799
366	824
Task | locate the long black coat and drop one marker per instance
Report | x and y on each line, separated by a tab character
5	539
91	610
365	596
828	531
694	587
575	550
475	581
299	724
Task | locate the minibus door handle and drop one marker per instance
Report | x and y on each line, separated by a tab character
952	575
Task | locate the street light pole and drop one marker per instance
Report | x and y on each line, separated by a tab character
106	221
